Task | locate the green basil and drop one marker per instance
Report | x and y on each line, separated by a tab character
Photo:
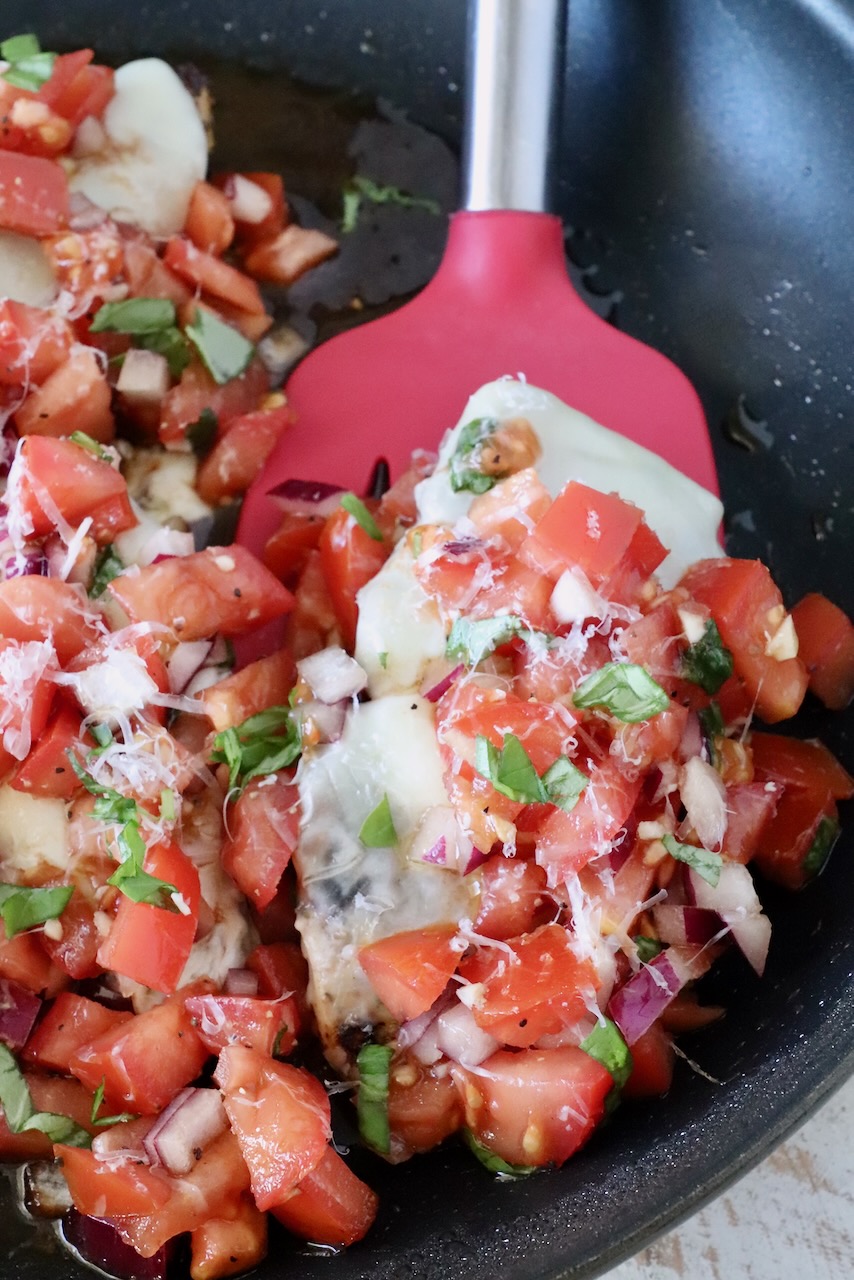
361	189
135	316
377	831
624	689
373	1063
511	771
360	513
20	1114
259	745
202	433
648	948
606	1044
707	663
224	351
494	1163
706	863
108	566
564	783
462	474
29	68
22	907
473	640
827	833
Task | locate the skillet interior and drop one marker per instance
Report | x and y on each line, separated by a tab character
706	169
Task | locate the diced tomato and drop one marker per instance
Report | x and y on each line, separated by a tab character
33	194
551	675
215	1186
88	264
685	1014
600	533
313	623
76	89
797	841
826	647
482	581
567	841
75	397
330	1206
197	391
535	1107
653	1059
33	343
262	684
804	763
514	898
148	943
538	990
49	1093
286	552
267	1026
280	1116
252	324
212	275
46	771
750	806
350	557
229	1246
24	960
423	1109
263	826
66	68
237	458
410	970
70	1022
651	741
619	897
748	609
138	1075
249	233
110	1189
220	589
30	126
79	485
472	711
508	509
655	641
209	223
22	671
148	276
290	254
76	951
397	508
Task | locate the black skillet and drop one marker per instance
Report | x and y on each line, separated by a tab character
709	177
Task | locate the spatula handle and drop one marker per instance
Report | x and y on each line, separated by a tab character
515	55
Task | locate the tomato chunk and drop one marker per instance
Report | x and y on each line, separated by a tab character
423	1109
514	898
229	1246
350	557
535	1107
33	343
653	1059
330	1206
567	841
280	1116
213	275
826	637
410	970
33	194
262	684
196	391
69	1023
74	397
800	762
209	223
264	829
267	1026
46	770
78	484
220	589
238	457
49	1093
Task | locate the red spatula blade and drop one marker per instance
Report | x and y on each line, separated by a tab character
501	303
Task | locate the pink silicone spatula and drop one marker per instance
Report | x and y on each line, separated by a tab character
500	303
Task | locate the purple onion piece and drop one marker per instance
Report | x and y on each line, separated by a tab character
438	690
307	497
637	1005
686	926
476	859
462	546
30	562
192	1120
19	1009
98	1243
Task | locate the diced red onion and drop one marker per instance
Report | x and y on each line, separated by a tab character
19	1009
637	1005
624	843
241	982
438	690
144	378
187	657
686	926
249	202
462	546
332	674
328	720
307	497
439	840
98	1242
735	900
475	859
29	562
192	1120
461	1039
692	743
704	797
411	1032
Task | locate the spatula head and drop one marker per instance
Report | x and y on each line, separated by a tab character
501	303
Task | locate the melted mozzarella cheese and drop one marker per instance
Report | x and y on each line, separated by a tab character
33	831
155	152
25	272
685	516
352	895
399	630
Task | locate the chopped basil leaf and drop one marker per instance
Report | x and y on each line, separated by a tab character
821	848
86	442
202	433
706	863
377	831
510	769
462	474
494	1163
169	342
712	721
648	948
262	744
360	513
29	67
277	1043
103	1121
103	735
707	663
373	1062
136	316
107	566
564	783
625	689
472	641
21	1115
22	907
167	804
224	351
606	1045
383	659
366	189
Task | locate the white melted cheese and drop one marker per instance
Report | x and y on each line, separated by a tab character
352	895
155	152
685	516
25	272
399	630
33	832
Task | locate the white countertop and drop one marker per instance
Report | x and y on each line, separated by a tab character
790	1218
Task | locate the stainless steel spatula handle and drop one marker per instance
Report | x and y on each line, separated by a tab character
515	53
